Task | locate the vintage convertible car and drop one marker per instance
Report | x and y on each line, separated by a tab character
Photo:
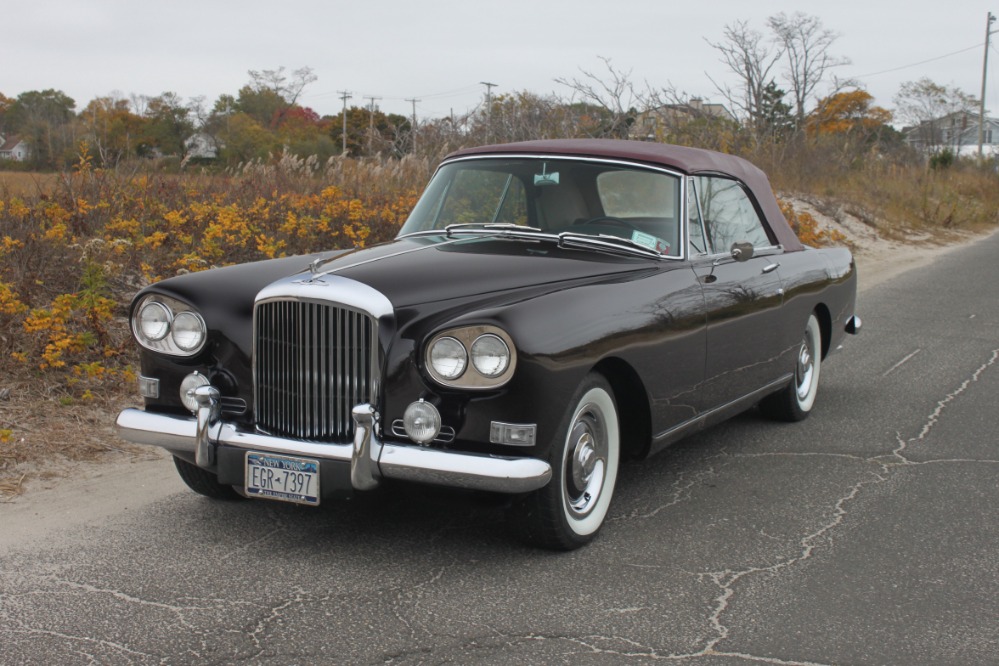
548	308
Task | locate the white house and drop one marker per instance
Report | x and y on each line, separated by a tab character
957	132
201	146
14	148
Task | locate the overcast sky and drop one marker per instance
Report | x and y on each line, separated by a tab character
440	51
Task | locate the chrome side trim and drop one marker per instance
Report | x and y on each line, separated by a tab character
394	461
667	437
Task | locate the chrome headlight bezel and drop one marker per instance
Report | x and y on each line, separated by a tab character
167	342
472	377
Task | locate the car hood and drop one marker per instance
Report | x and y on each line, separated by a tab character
408	272
420	270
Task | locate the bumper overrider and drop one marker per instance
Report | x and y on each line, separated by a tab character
369	458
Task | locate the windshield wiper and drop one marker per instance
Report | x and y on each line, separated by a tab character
505	229
490	228
606	242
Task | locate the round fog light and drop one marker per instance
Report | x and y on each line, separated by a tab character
422	422
187	386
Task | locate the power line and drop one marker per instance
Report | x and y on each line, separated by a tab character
921	62
447	93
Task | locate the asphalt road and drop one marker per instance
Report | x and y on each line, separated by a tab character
869	534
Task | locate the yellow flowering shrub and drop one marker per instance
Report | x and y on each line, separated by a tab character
807	227
71	259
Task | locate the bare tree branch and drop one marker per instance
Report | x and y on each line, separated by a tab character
751	59
805	44
614	94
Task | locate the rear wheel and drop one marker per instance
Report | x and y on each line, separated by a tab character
794	402
204	482
568	512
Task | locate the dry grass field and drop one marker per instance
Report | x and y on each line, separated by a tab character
23	184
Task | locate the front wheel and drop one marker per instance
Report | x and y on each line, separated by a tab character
568	512
794	402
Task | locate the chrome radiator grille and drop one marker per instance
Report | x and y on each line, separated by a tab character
313	363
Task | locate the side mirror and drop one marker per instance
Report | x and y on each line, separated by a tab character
742	251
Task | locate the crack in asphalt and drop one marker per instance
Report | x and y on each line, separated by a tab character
727	579
681	489
24	628
210	605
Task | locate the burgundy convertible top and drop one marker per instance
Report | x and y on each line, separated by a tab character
679	158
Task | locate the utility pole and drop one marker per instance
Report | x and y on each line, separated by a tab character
489	107
344	95
985	69
371	122
413	131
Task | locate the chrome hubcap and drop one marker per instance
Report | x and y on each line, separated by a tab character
805	368
585	463
584	459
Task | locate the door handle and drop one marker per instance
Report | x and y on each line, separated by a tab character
770	268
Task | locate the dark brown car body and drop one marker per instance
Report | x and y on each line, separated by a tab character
679	339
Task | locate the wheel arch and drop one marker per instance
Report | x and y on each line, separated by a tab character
634	412
825	326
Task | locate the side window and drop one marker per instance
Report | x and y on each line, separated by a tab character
729	215
649	202
695	230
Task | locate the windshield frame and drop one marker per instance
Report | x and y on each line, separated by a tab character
681	194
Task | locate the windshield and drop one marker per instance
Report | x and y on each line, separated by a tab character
555	196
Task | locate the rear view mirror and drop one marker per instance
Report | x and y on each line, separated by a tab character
742	251
545	179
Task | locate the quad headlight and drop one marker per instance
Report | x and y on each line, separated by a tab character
473	357
168	326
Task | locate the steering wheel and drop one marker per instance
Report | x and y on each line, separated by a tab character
606	219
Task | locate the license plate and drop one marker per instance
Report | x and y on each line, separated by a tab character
282	478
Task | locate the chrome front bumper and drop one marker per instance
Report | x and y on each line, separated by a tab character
370	459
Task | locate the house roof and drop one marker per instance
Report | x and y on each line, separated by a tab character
9	144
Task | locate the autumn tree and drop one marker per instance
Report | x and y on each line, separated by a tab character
303	132
847	113
371	132
45	119
5	104
273	91
167	124
245	139
113	131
